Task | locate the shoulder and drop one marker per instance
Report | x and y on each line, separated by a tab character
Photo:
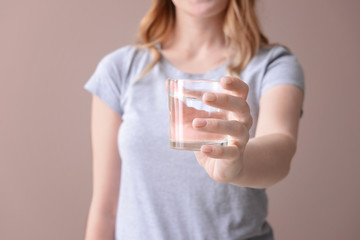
123	56
271	66
273	57
269	54
125	62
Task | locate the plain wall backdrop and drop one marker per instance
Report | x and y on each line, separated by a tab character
48	50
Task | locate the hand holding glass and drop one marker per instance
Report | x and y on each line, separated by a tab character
185	105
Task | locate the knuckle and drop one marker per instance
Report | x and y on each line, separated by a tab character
246	120
246	88
243	107
238	128
242	141
250	121
246	107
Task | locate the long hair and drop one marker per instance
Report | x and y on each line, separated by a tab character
243	36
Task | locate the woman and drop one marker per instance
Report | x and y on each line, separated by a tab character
142	189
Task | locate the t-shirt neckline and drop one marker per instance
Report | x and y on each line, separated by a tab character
173	70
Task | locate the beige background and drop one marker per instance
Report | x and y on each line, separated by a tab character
48	49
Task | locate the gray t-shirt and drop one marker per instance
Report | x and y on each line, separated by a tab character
164	193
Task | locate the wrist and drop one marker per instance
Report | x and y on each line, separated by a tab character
240	179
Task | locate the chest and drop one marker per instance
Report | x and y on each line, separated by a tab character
145	119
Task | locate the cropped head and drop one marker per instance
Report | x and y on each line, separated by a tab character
242	34
201	8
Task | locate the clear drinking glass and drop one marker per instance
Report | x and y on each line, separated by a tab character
185	104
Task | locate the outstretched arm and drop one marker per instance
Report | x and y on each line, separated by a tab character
265	159
268	156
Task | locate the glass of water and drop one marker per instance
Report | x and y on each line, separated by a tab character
185	104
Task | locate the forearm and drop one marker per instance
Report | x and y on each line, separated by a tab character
100	226
266	160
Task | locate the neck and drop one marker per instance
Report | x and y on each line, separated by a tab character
193	34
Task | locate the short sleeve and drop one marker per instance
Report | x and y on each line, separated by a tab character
283	68
105	83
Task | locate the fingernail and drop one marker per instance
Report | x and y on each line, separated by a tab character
199	123
227	80
206	149
210	97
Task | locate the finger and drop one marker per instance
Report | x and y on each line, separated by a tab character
201	160
237	105
232	128
220	152
226	102
235	86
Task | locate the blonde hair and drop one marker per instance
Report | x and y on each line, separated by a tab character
242	32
